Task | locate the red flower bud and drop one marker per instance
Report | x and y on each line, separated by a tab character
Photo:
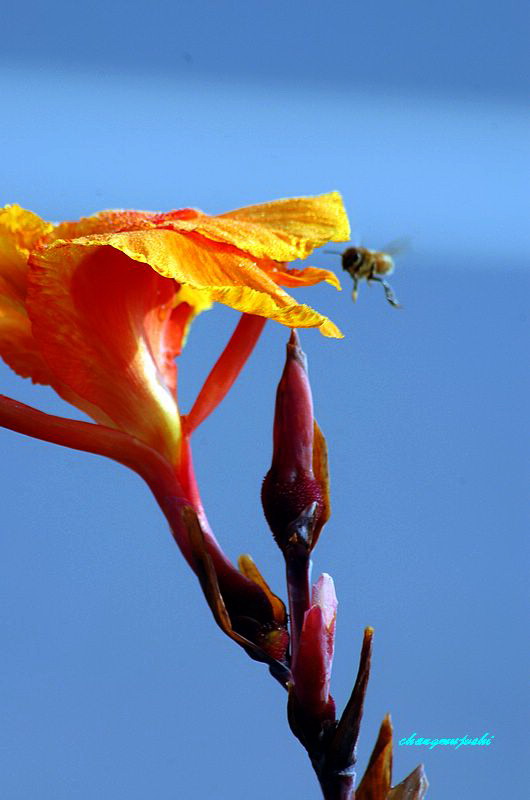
314	657
297	478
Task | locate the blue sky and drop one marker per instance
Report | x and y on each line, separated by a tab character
115	681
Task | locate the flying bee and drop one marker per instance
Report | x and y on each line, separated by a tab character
369	265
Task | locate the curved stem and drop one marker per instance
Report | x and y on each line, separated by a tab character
230	579
159	475
117	445
226	369
86	436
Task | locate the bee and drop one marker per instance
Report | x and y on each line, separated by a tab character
369	265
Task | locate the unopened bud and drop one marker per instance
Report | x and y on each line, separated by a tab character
312	665
291	487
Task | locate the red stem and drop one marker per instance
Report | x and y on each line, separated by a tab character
159	475
223	566
117	445
226	369
89	437
299	593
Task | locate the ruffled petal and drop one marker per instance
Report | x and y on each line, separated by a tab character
212	271
17	345
309	276
114	221
20	231
109	330
284	230
103	329
105	222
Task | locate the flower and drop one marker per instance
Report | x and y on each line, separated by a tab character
99	308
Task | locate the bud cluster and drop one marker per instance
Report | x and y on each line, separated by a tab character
295	498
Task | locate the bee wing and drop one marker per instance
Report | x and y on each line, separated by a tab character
397	246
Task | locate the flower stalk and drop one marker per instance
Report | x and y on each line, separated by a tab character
295	497
100	309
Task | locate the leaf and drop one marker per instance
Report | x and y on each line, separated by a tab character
344	742
414	787
376	781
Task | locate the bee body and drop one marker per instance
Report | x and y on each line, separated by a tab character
369	265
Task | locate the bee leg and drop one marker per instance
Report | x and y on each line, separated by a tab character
355	291
389	294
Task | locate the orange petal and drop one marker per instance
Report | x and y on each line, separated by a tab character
105	222
283	230
17	345
109	329
308	276
115	221
20	230
213	272
208	256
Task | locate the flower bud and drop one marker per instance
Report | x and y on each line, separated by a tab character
314	657
297	479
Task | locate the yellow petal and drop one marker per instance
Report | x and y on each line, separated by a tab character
238	259
216	272
105	222
284	230
17	345
20	230
309	276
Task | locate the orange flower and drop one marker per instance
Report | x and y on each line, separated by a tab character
99	308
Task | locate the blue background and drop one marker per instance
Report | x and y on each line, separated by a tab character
115	682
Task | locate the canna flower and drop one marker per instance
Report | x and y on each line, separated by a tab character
100	308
